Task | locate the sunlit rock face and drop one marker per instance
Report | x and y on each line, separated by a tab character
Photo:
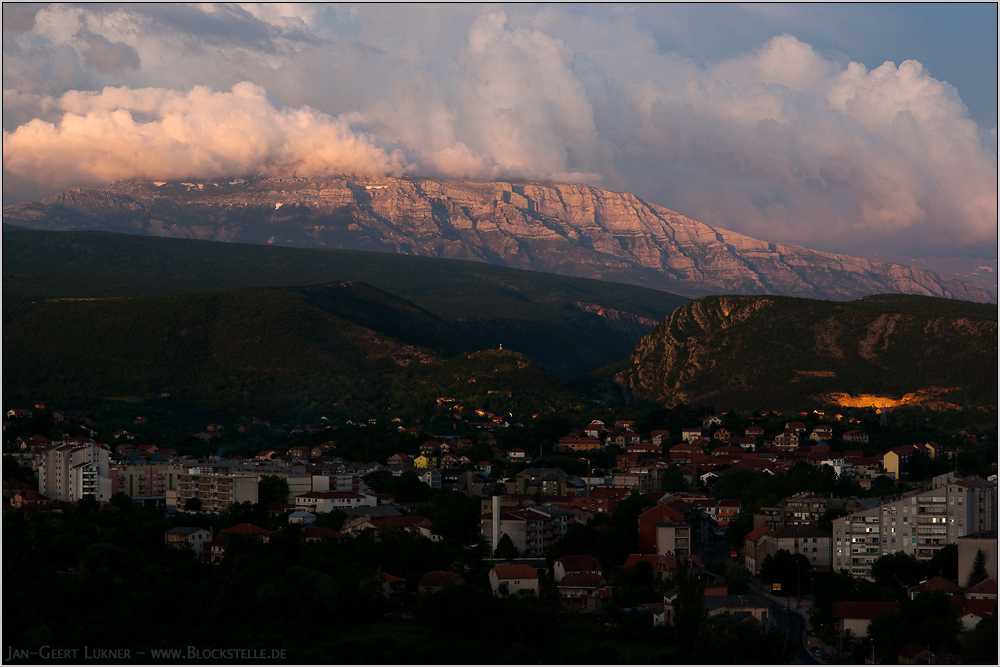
566	229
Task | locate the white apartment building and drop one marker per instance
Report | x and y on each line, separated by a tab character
70	472
919	523
216	487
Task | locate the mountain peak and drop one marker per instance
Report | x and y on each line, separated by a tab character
568	229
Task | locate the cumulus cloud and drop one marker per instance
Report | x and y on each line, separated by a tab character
783	142
163	134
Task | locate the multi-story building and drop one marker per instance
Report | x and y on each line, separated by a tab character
216	487
70	472
532	529
809	541
673	539
148	483
919	523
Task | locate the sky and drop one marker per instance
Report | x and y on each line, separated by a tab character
851	128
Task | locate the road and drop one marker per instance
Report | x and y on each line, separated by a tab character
783	610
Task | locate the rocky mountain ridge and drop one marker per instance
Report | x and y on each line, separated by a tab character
573	230
745	351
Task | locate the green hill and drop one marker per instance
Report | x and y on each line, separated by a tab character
344	349
778	352
567	325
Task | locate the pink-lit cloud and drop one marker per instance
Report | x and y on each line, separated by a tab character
782	142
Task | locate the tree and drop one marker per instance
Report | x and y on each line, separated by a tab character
192	505
505	548
791	571
689	607
737	577
979	571
272	489
121	501
898	571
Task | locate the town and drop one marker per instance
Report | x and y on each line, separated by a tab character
671	536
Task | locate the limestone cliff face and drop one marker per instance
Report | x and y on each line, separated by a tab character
752	351
567	229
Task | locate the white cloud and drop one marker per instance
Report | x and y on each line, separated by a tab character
782	142
101	137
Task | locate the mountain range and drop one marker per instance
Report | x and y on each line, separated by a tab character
574	230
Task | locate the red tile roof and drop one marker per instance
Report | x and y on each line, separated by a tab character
515	571
579	564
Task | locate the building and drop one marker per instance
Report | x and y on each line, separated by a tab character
188	537
673	539
919	523
532	530
147	483
510	578
575	565
215	487
71	471
750	548
855	616
570	444
811	542
328	501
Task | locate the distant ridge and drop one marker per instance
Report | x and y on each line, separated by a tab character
777	352
573	230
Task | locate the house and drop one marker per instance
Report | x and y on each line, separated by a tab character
582	592
648	521
510	578
304	518
722	435
709	422
911	654
798	428
753	432
897	461
821	433
984	590
188	537
855	616
856	436
424	461
574	444
594	428
657	437
575	565
393	587
752	605
689	434
750	548
437	580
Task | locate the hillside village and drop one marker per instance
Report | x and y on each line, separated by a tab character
608	520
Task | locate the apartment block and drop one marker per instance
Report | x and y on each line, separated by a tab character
145	482
70	472
919	523
216	487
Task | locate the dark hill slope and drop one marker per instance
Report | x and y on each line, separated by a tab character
568	325
759	352
261	351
